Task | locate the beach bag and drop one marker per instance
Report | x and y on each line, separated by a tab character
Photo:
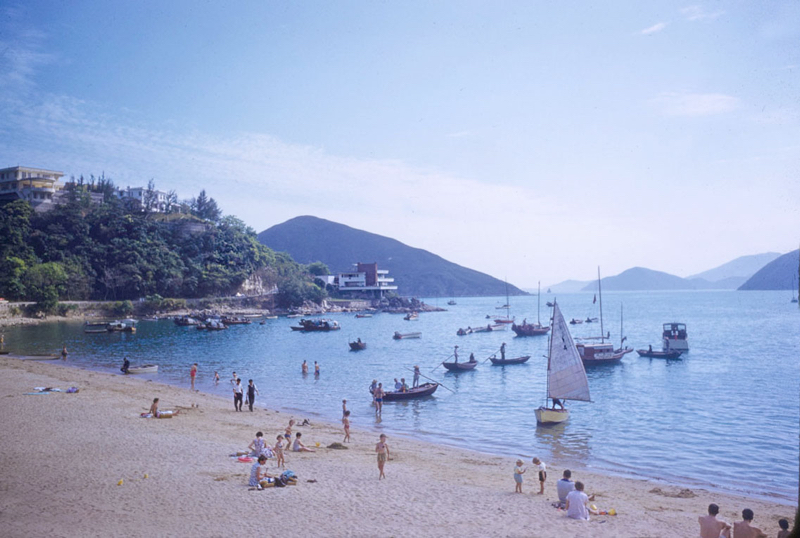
287	474
280	482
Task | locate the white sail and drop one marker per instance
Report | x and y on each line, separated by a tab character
566	378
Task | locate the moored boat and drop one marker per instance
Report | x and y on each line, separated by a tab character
95	331
532	329
451	302
411	316
460	366
363	315
45	357
426	389
358	345
143	369
655	354
604	352
236	321
674	337
121	326
317	325
405	336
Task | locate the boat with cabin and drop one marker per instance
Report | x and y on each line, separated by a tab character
674	337
566	377
602	353
317	325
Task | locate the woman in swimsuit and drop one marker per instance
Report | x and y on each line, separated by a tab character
382	450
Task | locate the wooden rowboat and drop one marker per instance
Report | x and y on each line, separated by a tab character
503	362
426	389
399	336
653	354
47	357
460	366
358	346
143	369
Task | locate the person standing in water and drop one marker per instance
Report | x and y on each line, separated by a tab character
64	353
305	367
193	373
316	368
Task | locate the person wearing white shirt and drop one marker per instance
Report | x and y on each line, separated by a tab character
577	503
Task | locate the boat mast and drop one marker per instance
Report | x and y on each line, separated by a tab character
621	336
538	303
549	354
600	291
508	306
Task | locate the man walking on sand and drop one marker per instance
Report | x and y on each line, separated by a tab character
711	527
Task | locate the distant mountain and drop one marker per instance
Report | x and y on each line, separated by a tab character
639	278
743	267
568	286
779	274
416	272
730	283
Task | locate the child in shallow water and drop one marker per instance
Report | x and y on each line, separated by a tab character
519	470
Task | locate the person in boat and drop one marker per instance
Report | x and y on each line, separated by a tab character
557	402
503	351
525	321
305	367
415	384
397	385
455	353
650	348
126	364
403	386
358	341
472	357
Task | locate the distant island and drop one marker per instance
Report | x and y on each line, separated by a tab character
780	274
417	272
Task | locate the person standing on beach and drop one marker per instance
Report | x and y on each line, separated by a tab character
193	373
64	353
711	527
382	449
346	422
519	470
234	379
305	367
742	529
238	395
415	384
542	474
252	390
280	461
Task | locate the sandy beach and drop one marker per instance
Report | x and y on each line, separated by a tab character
63	456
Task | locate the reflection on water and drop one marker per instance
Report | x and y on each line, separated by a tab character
682	420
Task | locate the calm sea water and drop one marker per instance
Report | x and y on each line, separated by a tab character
726	416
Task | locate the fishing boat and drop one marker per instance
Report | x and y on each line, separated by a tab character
405	336
548	303
464	332
604	352
295	315
143	369
674	337
236	321
358	345
504	362
411	316
212	325
532	329
426	389
460	366
126	326
566	377
317	325
654	354
270	317
574	321
451	302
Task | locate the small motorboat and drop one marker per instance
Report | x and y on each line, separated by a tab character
411	316
451	302
548	303
574	321
504	362
143	369
654	354
400	336
363	316
460	366
426	389
464	332
358	345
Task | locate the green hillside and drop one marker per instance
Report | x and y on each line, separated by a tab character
416	272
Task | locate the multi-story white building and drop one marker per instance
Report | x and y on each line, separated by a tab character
366	278
160	203
36	185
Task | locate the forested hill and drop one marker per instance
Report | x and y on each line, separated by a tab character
416	272
780	274
111	251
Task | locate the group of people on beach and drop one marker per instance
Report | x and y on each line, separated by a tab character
376	389
711	527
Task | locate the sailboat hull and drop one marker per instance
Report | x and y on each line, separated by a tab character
545	415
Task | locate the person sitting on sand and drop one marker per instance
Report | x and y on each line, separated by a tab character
743	528
259	447
382	449
279	460
577	503
298	445
711	527
259	477
154	412
564	486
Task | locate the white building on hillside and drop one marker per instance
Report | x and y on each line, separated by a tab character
36	185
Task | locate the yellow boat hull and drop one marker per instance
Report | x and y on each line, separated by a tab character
546	415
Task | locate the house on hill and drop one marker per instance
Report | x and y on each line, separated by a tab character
367	279
37	186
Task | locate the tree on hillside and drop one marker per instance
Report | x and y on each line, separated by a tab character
150	198
44	284
318	269
205	208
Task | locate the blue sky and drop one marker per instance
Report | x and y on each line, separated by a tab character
530	140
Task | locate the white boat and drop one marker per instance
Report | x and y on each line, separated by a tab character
405	336
143	369
566	378
674	337
604	352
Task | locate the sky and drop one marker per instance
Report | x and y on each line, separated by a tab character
534	140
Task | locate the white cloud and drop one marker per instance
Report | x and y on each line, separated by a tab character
695	104
698	13
653	29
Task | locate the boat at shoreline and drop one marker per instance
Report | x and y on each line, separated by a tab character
426	389
566	377
143	369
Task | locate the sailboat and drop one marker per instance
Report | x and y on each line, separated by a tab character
507	306
532	329
604	352
566	378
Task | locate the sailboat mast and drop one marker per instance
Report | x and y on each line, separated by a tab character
539	303
600	292
621	336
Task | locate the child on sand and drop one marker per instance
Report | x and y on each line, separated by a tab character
288	433
344	407
784	525
519	470
346	422
382	450
280	462
542	474
298	445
